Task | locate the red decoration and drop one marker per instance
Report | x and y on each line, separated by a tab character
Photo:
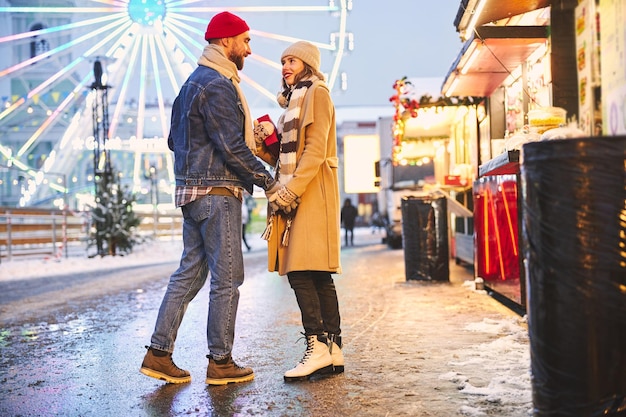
405	107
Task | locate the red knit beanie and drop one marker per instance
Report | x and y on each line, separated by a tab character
225	25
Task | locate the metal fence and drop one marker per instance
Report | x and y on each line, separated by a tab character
54	233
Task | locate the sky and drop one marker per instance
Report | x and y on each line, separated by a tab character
392	39
413	38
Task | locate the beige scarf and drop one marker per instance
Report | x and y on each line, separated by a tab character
213	57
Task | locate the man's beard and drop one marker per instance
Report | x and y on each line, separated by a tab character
237	59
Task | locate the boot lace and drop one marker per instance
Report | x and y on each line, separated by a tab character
174	365
310	342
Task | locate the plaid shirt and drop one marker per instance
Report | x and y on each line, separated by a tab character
186	194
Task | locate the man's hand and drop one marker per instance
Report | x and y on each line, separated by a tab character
272	190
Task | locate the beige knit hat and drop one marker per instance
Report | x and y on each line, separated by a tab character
306	51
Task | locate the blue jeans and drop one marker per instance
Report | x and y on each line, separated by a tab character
212	242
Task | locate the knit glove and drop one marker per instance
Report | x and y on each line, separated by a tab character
284	199
262	130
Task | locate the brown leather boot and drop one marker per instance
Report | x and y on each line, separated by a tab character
226	371
159	364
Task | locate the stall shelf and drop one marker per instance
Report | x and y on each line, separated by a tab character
497	237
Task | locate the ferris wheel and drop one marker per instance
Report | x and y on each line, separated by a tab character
146	49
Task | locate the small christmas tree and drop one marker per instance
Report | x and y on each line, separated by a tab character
115	222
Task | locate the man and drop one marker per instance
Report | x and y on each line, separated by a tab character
348	218
212	138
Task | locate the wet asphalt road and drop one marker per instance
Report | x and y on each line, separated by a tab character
83	358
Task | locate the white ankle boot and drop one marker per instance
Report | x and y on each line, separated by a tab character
316	360
334	346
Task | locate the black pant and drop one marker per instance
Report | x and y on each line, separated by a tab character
350	235
317	299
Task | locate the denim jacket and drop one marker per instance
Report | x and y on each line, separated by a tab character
207	135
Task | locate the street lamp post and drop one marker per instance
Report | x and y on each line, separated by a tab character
102	169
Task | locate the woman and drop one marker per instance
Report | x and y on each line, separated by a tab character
303	231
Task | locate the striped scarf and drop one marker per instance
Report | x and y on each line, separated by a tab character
289	123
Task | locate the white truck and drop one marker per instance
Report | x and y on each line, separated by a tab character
396	181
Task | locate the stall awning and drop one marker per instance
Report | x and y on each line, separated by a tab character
487	11
489	56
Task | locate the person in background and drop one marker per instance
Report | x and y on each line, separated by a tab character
250	205
378	222
213	142
348	217
245	218
303	230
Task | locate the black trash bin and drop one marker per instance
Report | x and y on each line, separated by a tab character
574	241
425	238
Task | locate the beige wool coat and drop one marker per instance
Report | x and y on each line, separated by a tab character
315	234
